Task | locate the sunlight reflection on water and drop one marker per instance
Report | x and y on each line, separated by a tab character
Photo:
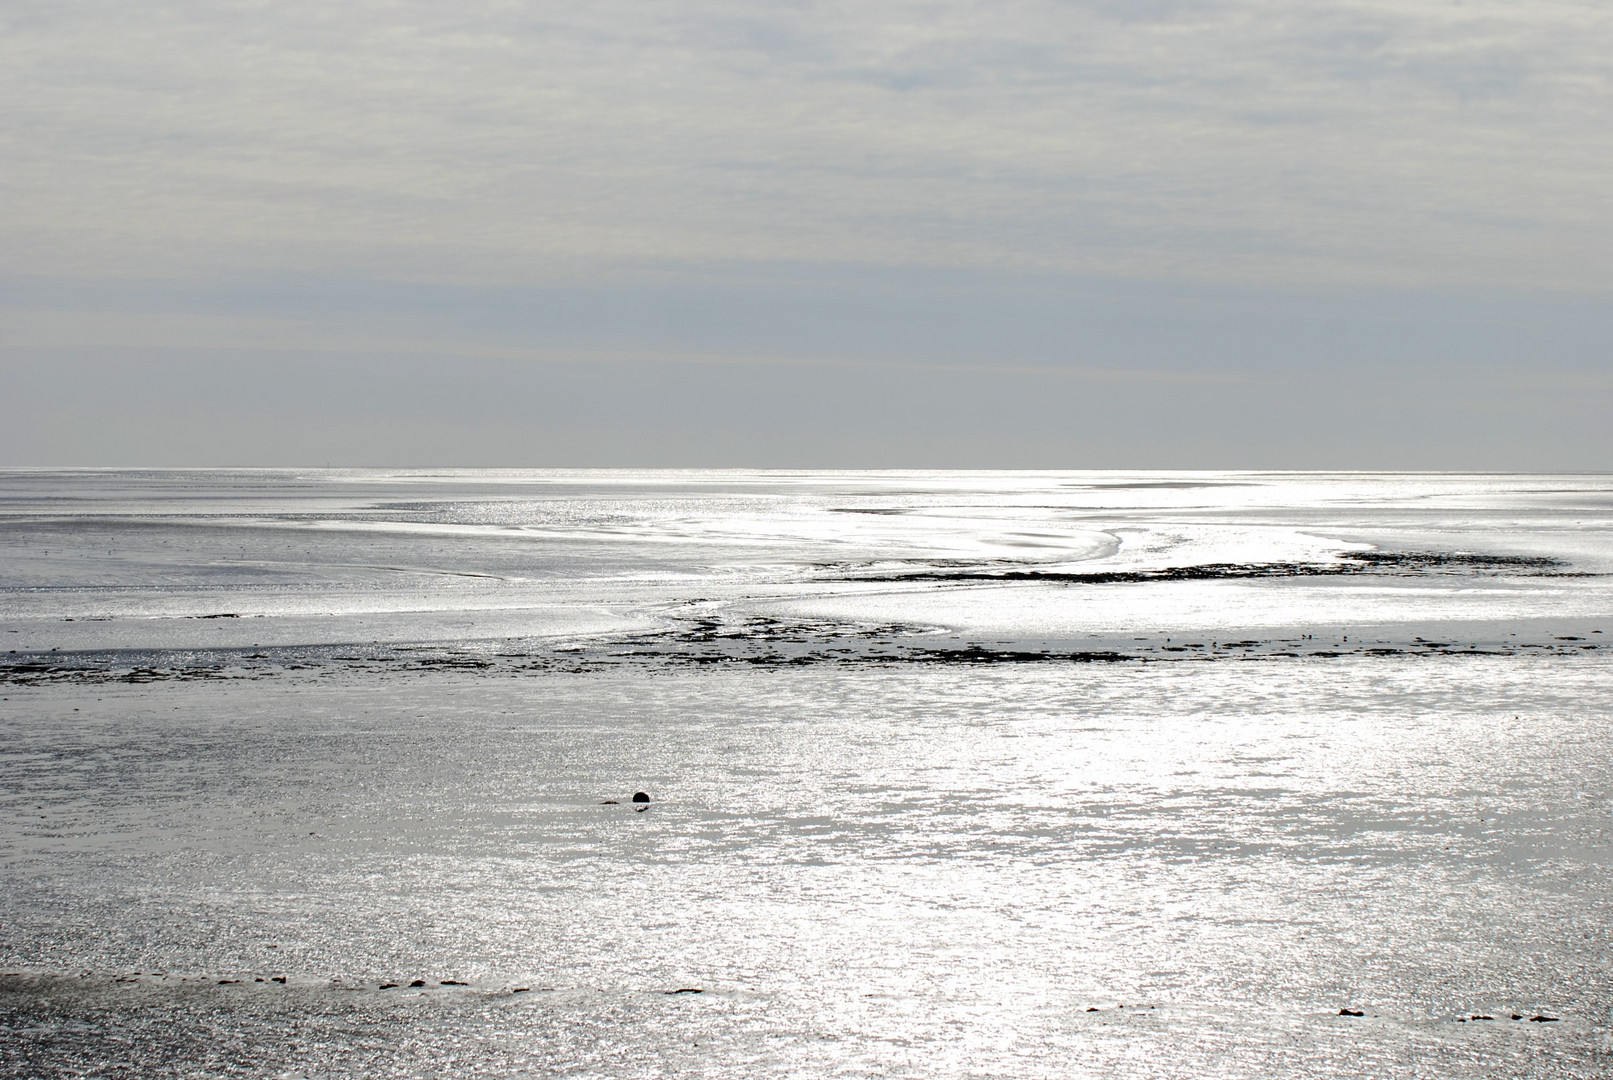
350	730
880	872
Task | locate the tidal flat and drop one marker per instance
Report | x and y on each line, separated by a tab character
328	774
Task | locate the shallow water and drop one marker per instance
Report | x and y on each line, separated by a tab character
873	852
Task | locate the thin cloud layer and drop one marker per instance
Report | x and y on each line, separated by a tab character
1363	142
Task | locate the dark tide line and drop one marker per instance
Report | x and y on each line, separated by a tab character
1388	563
34	983
23	990
773	644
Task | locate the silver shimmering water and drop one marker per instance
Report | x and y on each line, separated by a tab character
952	774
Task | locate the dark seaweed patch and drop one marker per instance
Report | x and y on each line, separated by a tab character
1399	563
786	647
1446	560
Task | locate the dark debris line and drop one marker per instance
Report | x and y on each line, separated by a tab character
1396	563
673	651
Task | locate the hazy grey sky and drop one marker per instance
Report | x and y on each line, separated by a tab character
1163	232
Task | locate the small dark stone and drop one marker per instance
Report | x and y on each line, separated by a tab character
521	990
1517	1016
418	982
610	802
1092	1008
1351	1012
454	982
639	796
1481	1018
389	986
684	990
227	982
281	979
1541	1019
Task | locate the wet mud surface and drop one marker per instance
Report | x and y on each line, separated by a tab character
696	634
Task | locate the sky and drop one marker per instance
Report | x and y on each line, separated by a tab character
1026	233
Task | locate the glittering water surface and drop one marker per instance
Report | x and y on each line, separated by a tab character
894	830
